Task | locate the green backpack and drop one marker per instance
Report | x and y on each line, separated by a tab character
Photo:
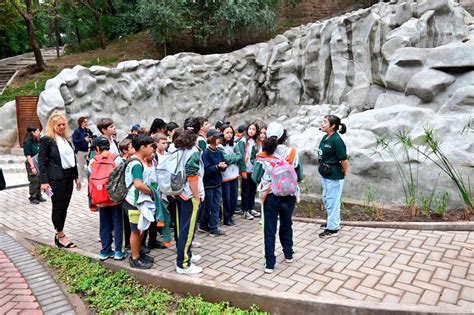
116	186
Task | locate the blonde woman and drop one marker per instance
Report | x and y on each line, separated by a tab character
58	172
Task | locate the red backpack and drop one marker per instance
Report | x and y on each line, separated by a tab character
100	172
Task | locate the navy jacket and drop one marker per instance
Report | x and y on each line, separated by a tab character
79	139
212	174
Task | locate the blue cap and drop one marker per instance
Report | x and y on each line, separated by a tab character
135	127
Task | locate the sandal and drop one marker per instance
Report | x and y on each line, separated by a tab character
59	244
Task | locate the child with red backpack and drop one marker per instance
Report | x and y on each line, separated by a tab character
110	213
277	171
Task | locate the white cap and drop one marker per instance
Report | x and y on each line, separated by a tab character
275	129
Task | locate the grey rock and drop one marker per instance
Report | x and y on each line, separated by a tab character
461	102
427	83
8	132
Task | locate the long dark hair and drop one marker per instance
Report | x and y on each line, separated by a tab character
257	132
336	122
270	144
184	139
224	141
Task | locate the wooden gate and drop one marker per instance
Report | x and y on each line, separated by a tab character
26	115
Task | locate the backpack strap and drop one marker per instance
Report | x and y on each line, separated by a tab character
291	157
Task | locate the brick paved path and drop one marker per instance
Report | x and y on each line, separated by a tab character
384	265
26	287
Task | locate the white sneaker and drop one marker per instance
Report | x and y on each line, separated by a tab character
196	244
255	213
289	260
248	216
195	258
268	270
193	269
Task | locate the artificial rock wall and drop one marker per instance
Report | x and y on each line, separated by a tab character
398	65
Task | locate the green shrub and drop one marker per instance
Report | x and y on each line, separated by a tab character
110	292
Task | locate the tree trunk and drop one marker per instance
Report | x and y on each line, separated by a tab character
111	7
98	19
78	33
30	28
58	35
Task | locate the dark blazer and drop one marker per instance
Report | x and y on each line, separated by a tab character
49	161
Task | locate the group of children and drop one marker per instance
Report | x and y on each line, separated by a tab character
214	161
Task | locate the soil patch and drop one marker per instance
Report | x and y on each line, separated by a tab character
354	212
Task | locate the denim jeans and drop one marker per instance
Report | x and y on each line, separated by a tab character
273	208
332	193
111	219
212	206
230	191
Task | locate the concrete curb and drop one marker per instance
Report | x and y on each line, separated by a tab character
267	300
430	226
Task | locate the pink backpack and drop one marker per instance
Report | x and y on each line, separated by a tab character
284	178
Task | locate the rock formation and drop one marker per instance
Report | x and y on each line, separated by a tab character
398	65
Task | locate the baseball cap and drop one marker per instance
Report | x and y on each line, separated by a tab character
100	141
275	129
214	133
135	127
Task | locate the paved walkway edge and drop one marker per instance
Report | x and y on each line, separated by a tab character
50	294
267	300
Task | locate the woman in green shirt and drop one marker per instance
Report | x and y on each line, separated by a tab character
30	149
333	167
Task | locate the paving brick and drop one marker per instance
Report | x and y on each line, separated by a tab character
351	294
449	296
6	307
370	292
442	274
27	305
427	286
459	272
315	287
410	298
408	288
406	277
430	297
55	305
389	289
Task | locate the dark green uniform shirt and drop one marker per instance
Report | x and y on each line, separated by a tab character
332	151
31	147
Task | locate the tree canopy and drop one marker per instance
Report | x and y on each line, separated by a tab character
98	21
